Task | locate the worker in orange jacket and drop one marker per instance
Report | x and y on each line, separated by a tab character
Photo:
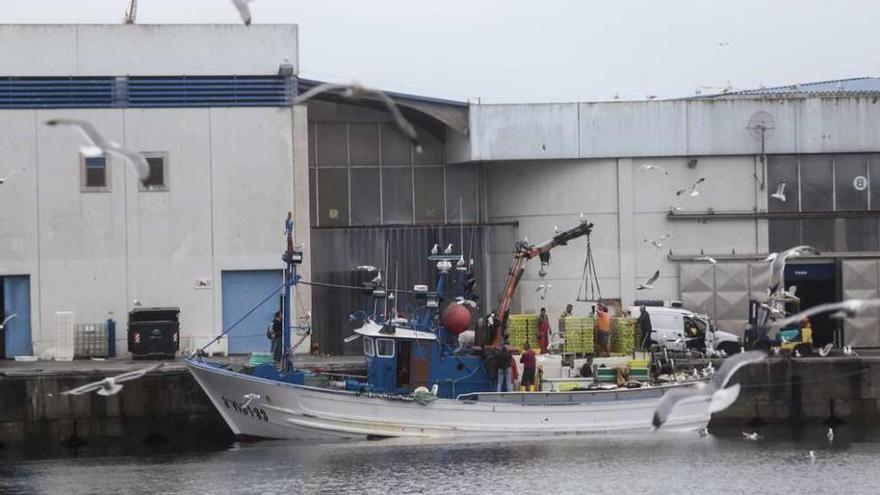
602	329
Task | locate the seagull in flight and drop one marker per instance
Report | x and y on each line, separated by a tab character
356	90
780	192
777	268
715	392
706	258
10	174
649	284
243	10
249	398
658	242
366	268
543	289
651	166
100	146
6	320
111	385
849	307
692	191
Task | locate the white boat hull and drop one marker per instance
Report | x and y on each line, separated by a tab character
296	411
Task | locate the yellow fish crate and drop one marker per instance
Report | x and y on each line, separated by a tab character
522	329
623	335
578	334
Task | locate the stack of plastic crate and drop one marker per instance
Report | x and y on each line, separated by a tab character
623	335
579	335
522	329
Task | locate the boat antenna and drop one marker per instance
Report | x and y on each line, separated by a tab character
386	273
396	286
461	225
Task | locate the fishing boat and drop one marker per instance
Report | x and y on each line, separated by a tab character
423	379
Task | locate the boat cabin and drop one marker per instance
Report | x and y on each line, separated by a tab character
401	359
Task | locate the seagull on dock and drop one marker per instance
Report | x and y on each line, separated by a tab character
780	192
658	242
112	384
777	267
812	455
715	392
355	90
10	174
693	190
754	436
448	249
249	398
101	146
825	350
706	258
649	284
651	166
366	268
830	435
435	249
243	10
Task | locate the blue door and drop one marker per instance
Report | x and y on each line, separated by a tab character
242	291
17	300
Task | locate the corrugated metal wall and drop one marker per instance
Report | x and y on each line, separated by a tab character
723	290
337	251
861	280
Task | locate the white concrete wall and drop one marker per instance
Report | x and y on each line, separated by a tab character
145	50
670	128
627	205
230	180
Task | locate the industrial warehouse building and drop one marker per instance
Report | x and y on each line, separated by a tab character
210	106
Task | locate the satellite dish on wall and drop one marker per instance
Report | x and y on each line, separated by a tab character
760	124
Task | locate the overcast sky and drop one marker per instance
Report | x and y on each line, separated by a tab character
539	50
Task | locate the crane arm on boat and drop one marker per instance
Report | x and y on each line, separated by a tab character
525	252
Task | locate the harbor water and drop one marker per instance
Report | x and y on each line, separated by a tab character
662	463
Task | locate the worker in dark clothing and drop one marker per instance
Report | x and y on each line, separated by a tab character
645	328
530	367
275	334
503	359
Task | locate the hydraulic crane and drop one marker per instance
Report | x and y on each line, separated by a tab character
525	252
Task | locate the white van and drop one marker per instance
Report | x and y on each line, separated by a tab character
669	327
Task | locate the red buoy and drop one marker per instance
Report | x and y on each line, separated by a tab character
456	318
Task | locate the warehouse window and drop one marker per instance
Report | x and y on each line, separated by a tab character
95	174
825	184
158	178
366	173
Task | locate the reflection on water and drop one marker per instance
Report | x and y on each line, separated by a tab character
651	463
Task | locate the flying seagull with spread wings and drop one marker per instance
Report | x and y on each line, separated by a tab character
842	309
355	91
777	267
649	284
716	392
243	10
111	385
101	146
693	190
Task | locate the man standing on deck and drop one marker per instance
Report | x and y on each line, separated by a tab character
503	360
275	334
645	328
602	328
530	366
543	331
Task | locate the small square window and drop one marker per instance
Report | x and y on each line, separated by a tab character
158	178
95	174
368	346
385	347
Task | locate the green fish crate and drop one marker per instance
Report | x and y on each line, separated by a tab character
623	335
